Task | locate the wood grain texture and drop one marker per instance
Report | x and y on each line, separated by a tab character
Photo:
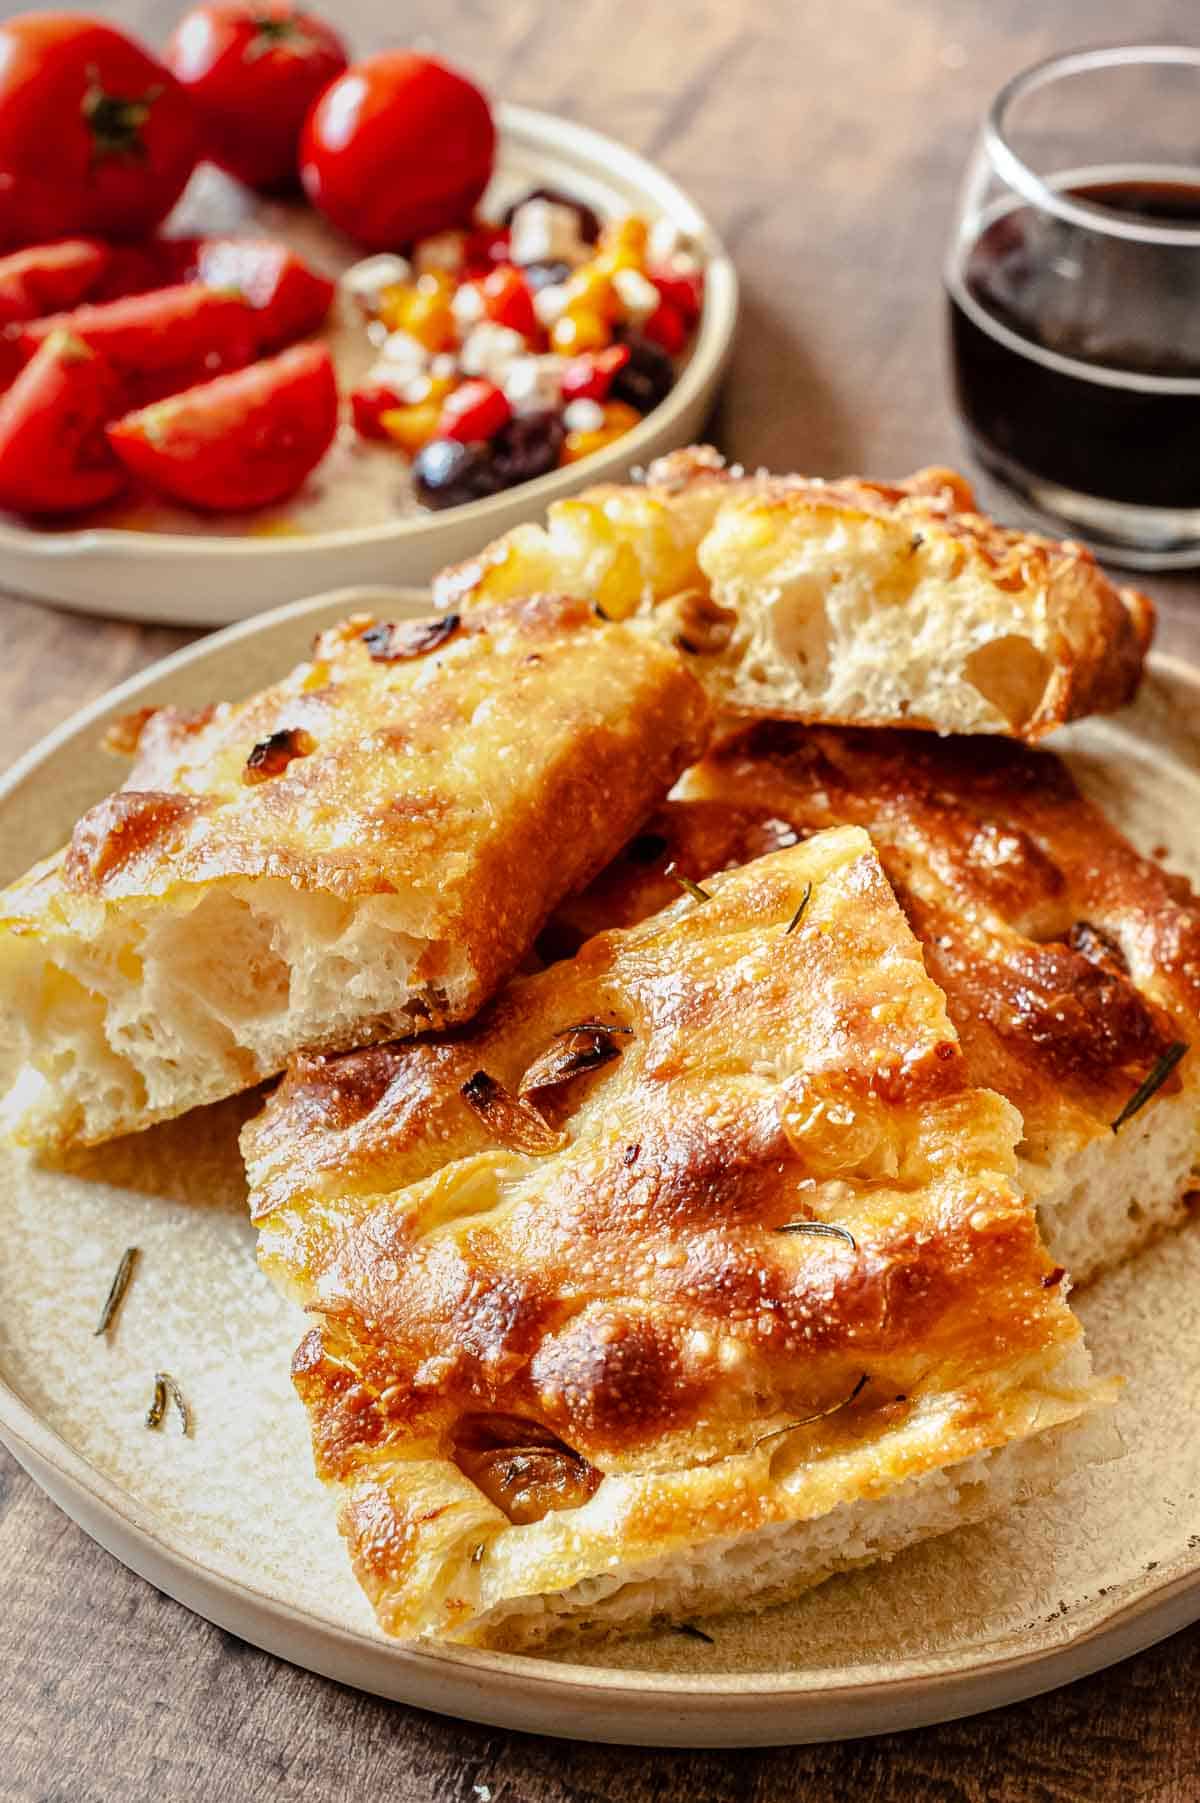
826	143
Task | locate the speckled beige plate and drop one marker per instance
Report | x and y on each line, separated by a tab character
232	1522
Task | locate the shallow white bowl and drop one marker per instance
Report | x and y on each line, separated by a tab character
196	580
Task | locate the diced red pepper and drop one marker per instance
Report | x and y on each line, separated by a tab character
368	403
589	378
508	301
682	290
475	411
486	246
667	326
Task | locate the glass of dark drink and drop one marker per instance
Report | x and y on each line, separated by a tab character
1074	294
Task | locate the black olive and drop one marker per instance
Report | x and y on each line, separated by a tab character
446	473
589	223
647	378
528	446
541	275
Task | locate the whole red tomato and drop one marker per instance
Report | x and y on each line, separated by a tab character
95	136
254	72
398	147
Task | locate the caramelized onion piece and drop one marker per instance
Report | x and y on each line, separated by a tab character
509	1119
702	626
272	755
392	643
522	1467
1097	946
580	1048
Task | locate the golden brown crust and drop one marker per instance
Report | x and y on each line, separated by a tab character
1052	639
1070	963
631	1293
480	773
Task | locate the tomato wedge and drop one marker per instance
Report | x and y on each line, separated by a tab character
161	342
242	440
289	299
50	278
54	457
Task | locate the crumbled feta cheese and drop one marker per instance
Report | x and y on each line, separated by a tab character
444	367
489	349
545	232
377	333
534	384
402	350
583	416
467	305
366	280
444	250
668	240
638	296
550	303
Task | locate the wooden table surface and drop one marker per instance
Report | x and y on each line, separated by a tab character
826	143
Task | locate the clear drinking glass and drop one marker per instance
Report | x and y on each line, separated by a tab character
1074	297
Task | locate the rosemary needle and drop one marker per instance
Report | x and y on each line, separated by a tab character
692	1631
826	1228
820	1415
117	1289
165	1386
1157	1077
798	916
688	884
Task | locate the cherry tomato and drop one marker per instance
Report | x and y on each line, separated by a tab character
243	440
397	148
95	136
50	278
289	299
54	457
475	411
254	72
508	301
589	378
161	342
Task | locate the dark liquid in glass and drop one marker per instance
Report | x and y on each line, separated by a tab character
1106	304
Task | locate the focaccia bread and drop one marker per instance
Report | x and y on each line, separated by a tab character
367	848
848	602
689	1274
1071	964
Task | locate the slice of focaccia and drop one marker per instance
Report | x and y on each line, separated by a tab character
1071	964
847	601
689	1274
366	848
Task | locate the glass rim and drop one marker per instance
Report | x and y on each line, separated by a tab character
1012	169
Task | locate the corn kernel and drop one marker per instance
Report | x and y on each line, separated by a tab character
621	588
579	329
618	419
412	427
591	287
626	238
423	312
428	388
